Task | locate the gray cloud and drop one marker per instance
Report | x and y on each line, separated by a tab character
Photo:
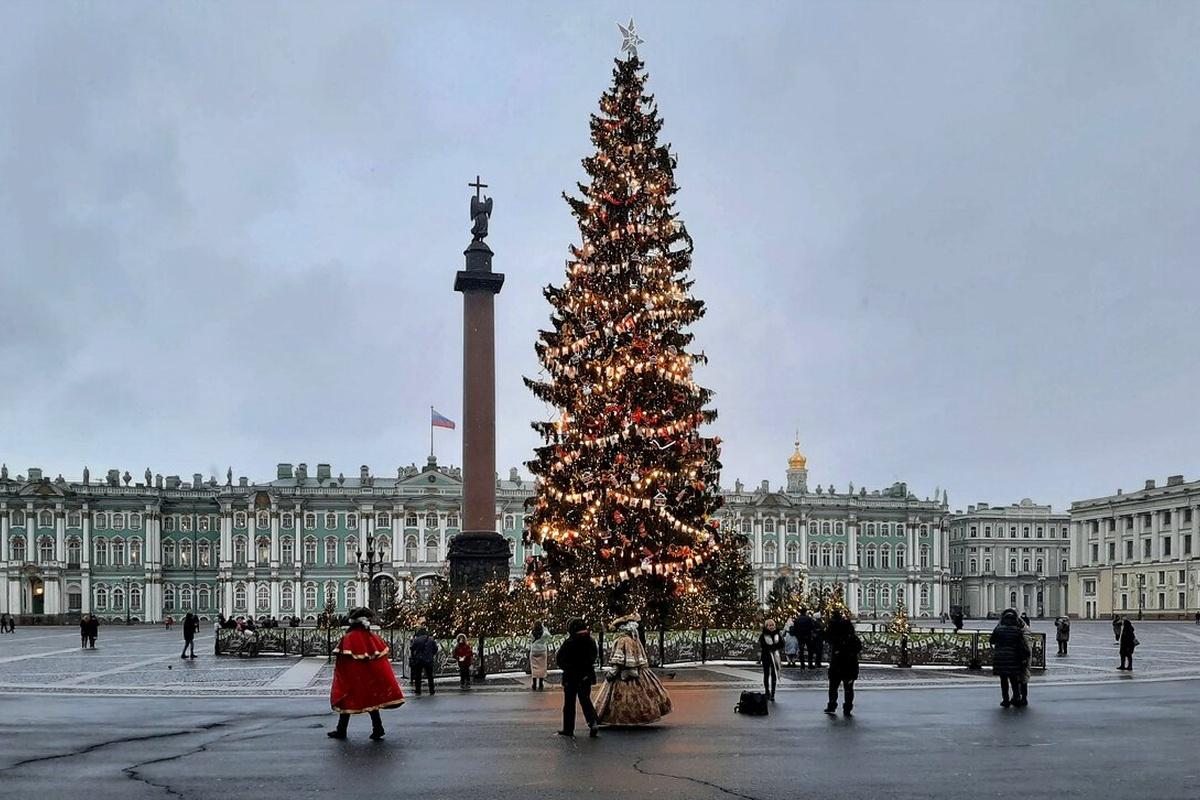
953	244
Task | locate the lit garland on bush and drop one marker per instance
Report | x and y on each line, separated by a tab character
625	485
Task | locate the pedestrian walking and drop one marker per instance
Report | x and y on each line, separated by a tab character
93	630
1116	626
816	649
539	657
4	622
363	680
802	629
790	646
770	645
465	656
1062	634
1127	642
577	660
844	647
1010	659
83	630
957	619
631	693
191	623
422	654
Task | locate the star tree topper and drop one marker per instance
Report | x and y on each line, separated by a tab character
630	40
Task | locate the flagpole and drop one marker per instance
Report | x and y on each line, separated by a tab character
431	431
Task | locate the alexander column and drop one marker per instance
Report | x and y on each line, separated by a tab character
479	554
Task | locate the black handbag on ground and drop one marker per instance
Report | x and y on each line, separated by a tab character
752	704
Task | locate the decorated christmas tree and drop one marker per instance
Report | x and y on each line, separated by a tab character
626	486
899	624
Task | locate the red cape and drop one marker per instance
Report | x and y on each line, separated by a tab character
363	679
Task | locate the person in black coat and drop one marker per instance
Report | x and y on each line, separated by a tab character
957	619
1127	641
770	645
802	629
191	623
422	654
844	647
816	645
577	660
1010	659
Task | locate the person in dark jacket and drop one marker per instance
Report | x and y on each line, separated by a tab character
422	653
577	660
770	645
844	647
83	629
1062	634
802	629
1116	625
1010	659
957	619
1025	619
191	623
816	646
1127	641
90	630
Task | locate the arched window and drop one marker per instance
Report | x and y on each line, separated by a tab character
1012	599
118	551
839	555
838	529
383	547
310	550
135	598
330	521
1040	565
791	525
239	550
239	597
185	522
901	595
263	519
135	522
925	532
18	519
924	556
1012	566
286	520
204	597
185	598
168	553
351	594
826	555
239	519
870	556
987	565
331	550
770	553
262	547
74	520
45	519
793	553
310	521
310	596
287	549
924	595
870	529
769	525
287	597
410	520
1025	565
262	598
885	557
185	553
452	520
352	522
431	520
101	597
410	549
99	554
331	592
203	523
974	566
812	529
826	528
168	522
168	597
747	525
383	520
431	548
885	595
870	596
45	550
118	598
812	554
74	551
1064	566
899	556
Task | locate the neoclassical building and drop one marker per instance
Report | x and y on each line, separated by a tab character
1014	556
144	550
882	546
1137	552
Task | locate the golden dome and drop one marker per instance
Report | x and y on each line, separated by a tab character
797	459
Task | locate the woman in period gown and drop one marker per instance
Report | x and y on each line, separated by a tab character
631	693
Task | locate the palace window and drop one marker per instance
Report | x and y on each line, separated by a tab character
791	525
45	550
100	522
793	553
168	553
74	519
885	595
74	551
287	597
262	546
508	522
431	549
383	520
310	521
900	556
330	521
45	519
286	520
871	556
770	553
185	554
185	598
410	549
18	519
99	557
826	528
118	552
885	557
383	548
168	597
168	522
310	550
239	597
351	594
101	598
924	595
838	529
203	523
135	522
812	554
185	522
1040	565
204	556
239	521
410	520
431	520
310	596
352	522
1012	566
264	519
118	598
452	520
287	550
135	598
769	525
812	529
901	595
1025	565
204	597
240	546
924	530
924	556
331	551
870	529
987	565
262	599
839	555
974	566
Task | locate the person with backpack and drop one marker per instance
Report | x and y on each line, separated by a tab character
844	647
422	654
1062	634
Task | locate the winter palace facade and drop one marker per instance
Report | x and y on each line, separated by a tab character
145	550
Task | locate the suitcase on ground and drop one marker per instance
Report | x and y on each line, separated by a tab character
753	704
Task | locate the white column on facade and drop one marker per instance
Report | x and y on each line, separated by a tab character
804	541
85	560
441	536
852	560
274	517
298	545
60	533
273	586
4	522
780	541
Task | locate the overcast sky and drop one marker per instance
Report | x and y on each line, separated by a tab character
953	243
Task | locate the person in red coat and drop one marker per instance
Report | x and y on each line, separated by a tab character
363	680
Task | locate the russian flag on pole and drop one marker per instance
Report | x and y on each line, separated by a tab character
438	421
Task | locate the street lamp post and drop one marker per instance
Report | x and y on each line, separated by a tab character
369	564
1141	594
1041	598
128	581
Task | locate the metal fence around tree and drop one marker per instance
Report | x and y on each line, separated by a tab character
971	649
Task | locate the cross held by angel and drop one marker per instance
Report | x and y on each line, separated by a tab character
481	211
